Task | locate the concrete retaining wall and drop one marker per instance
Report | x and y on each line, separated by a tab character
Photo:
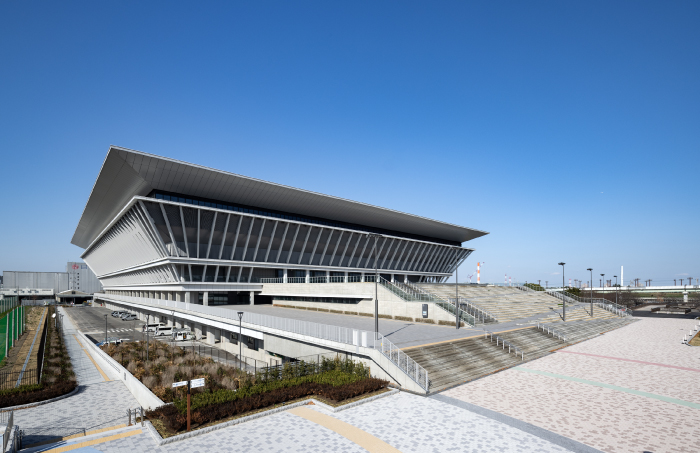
143	395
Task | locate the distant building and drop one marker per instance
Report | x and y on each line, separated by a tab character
81	278
78	277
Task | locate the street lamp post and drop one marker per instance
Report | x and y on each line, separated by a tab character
240	337
376	282
562	291
105	328
457	297
148	317
590	269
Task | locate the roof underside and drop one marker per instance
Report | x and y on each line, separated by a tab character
127	173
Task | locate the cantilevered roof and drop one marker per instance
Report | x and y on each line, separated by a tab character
127	173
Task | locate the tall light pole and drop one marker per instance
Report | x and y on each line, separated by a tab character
457	298
240	337
562	290
105	329
148	317
376	282
590	269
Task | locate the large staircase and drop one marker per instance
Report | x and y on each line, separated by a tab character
459	361
503	303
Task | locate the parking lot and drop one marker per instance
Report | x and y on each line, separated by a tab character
91	321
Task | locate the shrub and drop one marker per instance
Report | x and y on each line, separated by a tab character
174	416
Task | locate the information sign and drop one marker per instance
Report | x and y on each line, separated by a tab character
179	384
197	383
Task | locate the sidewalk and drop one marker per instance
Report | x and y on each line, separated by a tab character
99	403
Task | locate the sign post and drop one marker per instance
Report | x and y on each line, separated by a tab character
193	384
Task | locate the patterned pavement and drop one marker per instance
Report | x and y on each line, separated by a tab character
610	404
406	422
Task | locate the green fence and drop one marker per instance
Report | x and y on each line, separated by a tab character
12	325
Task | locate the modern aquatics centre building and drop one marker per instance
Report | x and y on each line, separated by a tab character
155	225
225	257
189	245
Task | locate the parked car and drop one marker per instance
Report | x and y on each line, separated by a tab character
117	314
129	317
124	314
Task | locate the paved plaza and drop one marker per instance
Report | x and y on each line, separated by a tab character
630	390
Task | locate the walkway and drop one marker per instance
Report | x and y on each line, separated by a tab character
633	389
99	402
402	333
399	423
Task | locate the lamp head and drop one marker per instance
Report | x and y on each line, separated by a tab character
590	269
561	264
240	315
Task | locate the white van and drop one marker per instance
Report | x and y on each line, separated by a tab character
164	330
152	327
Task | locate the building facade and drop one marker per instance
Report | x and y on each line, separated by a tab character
81	278
156	227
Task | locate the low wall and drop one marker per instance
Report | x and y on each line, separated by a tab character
143	395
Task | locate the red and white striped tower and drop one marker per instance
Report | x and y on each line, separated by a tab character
478	273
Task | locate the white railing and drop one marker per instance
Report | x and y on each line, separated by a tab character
477	312
504	342
619	310
611	307
552	332
344	335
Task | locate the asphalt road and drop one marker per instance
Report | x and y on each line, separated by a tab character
91	321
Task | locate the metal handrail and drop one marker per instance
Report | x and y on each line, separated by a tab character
551	331
505	342
484	313
343	335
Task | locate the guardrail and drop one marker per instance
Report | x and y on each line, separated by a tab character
476	312
505	342
343	335
552	332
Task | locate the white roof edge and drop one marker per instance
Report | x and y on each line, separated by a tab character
83	238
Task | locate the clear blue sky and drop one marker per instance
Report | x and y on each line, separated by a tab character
568	130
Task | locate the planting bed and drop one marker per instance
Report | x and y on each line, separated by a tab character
230	392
